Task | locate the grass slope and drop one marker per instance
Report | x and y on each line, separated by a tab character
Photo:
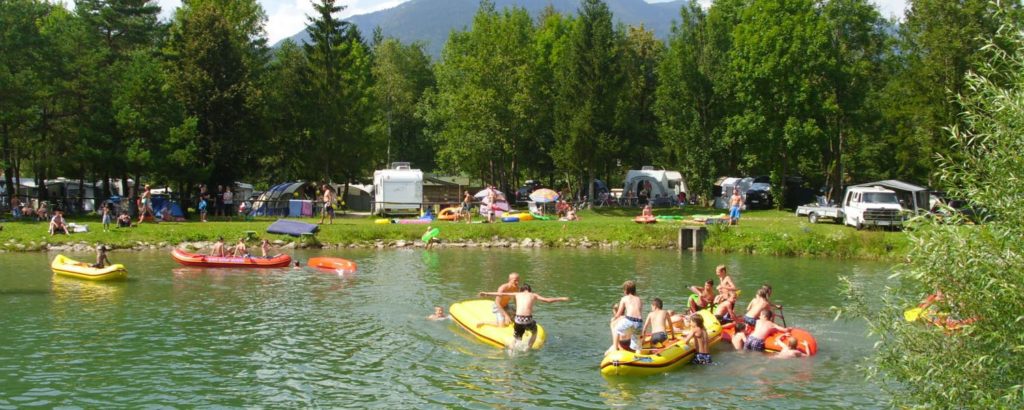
760	232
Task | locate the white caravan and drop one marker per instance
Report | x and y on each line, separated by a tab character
662	183
397	190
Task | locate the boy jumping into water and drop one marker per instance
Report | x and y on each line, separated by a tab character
630	311
658	320
525	299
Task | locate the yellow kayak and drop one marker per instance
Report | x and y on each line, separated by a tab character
468	313
62	265
672	355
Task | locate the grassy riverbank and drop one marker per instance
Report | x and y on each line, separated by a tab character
761	232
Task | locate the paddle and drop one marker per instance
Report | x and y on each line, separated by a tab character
782	316
912	314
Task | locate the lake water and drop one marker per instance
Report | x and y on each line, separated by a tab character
185	337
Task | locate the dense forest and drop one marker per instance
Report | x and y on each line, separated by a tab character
823	89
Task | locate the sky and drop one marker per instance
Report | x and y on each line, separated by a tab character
287	17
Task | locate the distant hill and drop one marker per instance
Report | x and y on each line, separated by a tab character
431	21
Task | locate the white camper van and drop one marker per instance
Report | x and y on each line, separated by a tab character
397	190
662	184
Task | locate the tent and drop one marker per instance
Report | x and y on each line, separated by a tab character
912	197
275	201
162	201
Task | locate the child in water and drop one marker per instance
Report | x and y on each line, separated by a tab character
789	349
438	314
700	337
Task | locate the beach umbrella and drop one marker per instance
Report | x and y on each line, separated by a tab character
544	195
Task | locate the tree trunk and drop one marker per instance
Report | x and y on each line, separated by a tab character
81	192
7	158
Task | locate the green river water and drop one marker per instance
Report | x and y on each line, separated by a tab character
181	337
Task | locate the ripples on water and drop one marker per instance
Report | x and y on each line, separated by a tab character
185	337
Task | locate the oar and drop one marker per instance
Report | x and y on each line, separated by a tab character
782	316
912	314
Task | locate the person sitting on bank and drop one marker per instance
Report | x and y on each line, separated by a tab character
43	212
58	224
647	211
101	257
124	221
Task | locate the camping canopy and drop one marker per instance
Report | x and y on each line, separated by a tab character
912	197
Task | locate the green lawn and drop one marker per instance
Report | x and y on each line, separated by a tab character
760	232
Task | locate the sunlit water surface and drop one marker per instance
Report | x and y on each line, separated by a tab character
185	337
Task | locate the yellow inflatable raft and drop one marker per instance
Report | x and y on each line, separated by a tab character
468	313
62	265
673	353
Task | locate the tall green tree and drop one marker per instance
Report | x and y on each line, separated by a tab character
635	119
340	78
690	105
21	49
402	73
940	41
778	61
209	74
290	112
590	83
478	113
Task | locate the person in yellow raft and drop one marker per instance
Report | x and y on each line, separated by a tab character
525	299
501	309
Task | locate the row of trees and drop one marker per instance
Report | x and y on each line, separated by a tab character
825	89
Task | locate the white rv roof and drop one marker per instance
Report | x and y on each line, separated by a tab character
873	189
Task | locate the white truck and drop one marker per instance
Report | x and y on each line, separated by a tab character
862	206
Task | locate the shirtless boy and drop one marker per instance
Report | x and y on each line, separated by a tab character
725	283
241	249
501	308
724	309
438	314
700	337
706	296
218	247
757	306
735	203
525	299
630	311
658	320
788	349
328	204
764	328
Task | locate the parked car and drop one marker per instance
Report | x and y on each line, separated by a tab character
759	195
524	191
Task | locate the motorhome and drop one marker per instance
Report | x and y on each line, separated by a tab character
658	184
397	190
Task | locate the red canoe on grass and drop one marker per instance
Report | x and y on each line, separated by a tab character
206	261
335	264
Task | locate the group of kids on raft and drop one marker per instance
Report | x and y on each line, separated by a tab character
626	325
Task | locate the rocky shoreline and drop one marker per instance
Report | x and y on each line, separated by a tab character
526	243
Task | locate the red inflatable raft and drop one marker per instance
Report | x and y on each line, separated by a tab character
335	264
192	259
645	219
771	344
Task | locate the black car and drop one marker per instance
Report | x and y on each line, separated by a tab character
523	193
759	196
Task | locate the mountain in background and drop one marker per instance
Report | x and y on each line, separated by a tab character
430	21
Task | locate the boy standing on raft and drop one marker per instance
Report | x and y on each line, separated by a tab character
629	318
501	308
525	299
